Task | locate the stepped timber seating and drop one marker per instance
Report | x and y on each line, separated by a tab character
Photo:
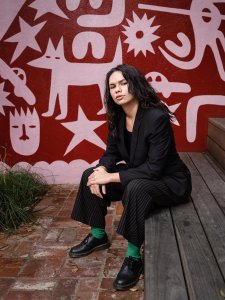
185	244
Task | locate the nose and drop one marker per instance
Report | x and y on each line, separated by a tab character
24	135
118	88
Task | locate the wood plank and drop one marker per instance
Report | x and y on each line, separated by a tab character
189	163
210	214
216	166
216	131
163	272
218	122
216	151
203	278
212	219
215	183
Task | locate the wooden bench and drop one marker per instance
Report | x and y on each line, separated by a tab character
185	244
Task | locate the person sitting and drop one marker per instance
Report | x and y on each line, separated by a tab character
139	134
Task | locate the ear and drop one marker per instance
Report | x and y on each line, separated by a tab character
60	48
50	48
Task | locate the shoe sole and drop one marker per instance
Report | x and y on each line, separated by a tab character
97	248
119	287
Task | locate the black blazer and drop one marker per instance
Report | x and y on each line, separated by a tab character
153	152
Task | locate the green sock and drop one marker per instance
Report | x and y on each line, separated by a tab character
133	251
97	232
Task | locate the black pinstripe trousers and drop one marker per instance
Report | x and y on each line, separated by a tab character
139	197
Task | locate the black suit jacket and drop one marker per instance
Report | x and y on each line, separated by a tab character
153	152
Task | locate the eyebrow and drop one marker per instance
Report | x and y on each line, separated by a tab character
111	83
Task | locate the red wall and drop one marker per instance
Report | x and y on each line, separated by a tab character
53	60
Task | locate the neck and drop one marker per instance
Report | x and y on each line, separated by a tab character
130	109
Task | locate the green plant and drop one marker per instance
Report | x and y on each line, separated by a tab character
20	191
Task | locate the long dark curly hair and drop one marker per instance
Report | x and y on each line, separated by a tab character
139	87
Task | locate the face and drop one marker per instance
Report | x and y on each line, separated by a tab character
25	132
119	89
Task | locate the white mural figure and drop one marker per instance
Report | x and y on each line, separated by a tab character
140	34
50	6
83	129
25	38
115	17
192	112
162	85
83	39
17	77
207	28
96	40
25	131
65	73
3	99
184	47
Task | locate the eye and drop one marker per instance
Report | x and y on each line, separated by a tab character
158	78
57	57
124	82
47	56
32	126
15	126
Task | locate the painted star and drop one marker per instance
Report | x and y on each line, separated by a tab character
25	38
43	7
83	129
140	34
3	99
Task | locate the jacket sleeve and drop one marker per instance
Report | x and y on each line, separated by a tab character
111	155
160	140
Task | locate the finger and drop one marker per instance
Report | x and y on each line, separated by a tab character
95	190
91	189
98	192
104	189
91	176
91	181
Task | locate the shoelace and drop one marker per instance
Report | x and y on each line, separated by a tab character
129	261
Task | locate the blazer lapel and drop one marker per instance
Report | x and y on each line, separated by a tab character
134	139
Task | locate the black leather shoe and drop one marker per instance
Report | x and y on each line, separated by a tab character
88	245
129	274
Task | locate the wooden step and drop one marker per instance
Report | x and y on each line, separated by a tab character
216	151
216	139
184	244
216	131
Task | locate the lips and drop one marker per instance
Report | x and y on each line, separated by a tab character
119	97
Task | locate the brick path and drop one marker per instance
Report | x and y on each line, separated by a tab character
34	263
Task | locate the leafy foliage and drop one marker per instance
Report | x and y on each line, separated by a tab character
20	191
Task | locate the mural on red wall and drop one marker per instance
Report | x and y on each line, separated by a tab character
54	57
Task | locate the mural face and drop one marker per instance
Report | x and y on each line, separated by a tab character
55	55
25	132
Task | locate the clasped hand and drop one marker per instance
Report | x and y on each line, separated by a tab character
99	178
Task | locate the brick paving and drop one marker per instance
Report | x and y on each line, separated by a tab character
34	263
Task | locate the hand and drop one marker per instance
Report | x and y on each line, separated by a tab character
95	189
100	177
